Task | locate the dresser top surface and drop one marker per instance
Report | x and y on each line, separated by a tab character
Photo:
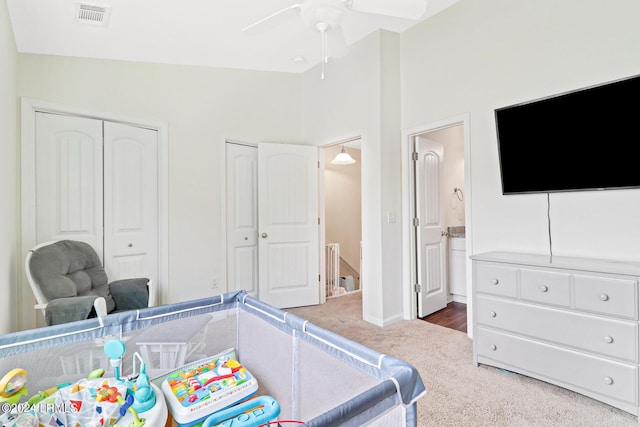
565	262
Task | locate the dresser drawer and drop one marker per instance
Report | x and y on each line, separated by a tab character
606	295
564	367
545	287
608	337
496	280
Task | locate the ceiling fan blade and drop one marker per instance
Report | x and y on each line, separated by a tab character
336	43
408	9
272	20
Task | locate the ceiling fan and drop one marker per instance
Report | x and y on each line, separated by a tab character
325	16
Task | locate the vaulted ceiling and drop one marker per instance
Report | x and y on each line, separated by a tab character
198	32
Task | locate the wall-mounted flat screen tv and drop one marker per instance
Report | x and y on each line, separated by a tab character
588	139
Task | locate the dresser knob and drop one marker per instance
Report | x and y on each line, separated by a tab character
544	288
493	347
608	339
608	380
493	314
604	297
495	281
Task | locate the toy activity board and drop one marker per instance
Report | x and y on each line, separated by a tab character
94	401
206	386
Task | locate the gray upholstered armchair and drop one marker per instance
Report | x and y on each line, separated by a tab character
69	283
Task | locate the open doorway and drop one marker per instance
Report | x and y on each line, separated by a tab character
339	212
439	187
342	218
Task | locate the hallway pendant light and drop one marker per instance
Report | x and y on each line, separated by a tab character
343	158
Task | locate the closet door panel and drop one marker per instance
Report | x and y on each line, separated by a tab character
69	179
242	218
131	201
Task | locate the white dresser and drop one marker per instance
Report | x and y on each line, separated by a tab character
569	321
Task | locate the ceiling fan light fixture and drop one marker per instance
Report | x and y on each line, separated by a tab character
343	158
327	11
322	26
325	17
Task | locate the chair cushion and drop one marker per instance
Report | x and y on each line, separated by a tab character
63	310
69	268
130	294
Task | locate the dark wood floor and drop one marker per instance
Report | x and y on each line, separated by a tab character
454	316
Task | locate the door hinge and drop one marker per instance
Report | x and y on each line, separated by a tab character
319	278
318	221
417	288
416	222
414	156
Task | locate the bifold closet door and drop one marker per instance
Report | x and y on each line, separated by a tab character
69	179
97	182
130	201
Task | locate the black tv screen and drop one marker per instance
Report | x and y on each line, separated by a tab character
587	139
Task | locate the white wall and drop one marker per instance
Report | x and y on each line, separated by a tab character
9	210
391	176
202	107
477	56
361	96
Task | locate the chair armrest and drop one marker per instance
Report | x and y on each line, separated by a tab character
130	294
153	289
100	305
63	310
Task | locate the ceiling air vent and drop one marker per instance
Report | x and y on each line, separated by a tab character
92	14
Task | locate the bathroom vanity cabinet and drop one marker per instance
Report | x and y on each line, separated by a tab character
457	268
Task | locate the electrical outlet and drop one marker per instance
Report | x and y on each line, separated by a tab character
214	283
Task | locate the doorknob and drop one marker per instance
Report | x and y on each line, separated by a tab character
264	235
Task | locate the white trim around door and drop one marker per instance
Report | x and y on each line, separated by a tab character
29	107
408	257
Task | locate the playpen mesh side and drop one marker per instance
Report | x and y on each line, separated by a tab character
305	381
316	376
334	381
167	336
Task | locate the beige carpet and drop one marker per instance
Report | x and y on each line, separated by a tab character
458	393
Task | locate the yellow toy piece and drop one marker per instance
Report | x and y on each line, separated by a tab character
12	386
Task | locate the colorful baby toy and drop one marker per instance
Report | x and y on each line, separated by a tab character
93	401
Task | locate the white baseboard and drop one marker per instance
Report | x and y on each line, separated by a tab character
459	298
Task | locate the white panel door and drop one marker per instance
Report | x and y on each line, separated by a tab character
68	169
242	218
130	201
431	247
288	225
